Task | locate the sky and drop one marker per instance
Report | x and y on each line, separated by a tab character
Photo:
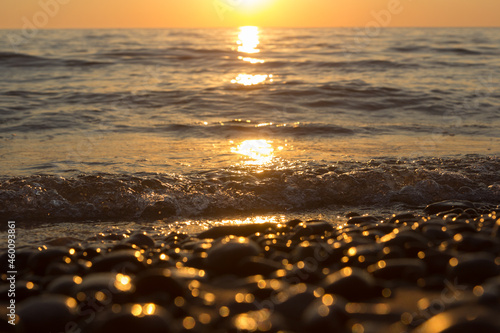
42	14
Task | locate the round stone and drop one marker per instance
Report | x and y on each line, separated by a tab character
225	255
352	283
47	313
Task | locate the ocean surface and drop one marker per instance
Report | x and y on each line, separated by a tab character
146	125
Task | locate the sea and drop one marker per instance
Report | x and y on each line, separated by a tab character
195	127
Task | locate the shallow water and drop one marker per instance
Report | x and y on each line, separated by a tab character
106	124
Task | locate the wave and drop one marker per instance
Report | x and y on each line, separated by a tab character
25	60
360	64
427	49
243	129
301	187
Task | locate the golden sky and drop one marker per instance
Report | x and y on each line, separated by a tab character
231	13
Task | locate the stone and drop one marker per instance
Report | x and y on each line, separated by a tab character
141	240
40	260
472	270
134	318
465	319
352	283
444	206
257	266
225	255
326	314
362	219
398	269
124	261
157	286
47	314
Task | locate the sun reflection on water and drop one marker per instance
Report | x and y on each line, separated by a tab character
250	80
248	39
248	42
259	152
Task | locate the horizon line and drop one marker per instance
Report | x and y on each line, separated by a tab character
273	27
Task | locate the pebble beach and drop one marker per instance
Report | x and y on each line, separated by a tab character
433	270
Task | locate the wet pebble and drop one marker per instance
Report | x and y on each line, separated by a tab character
125	261
225	255
133	318
444	206
472	270
365	273
47	314
399	269
352	283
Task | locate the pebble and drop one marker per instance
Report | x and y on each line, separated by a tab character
405	269
47	314
431	271
133	318
354	284
444	206
472	270
125	261
225	255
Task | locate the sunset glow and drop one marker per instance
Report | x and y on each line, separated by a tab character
34	14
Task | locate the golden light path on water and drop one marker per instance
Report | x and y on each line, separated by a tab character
248	42
248	39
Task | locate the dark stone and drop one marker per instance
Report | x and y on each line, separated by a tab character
114	286
362	219
123	261
435	233
46	314
293	223
352	283
404	217
451	212
351	214
64	285
465	319
326	314
473	270
294	302
141	240
225	255
39	261
91	252
404	237
310	229
197	260
152	319
157	286
457	227
476	243
257	265
399	269
444	206
60	268
311	251
436	261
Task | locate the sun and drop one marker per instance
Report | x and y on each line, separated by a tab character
252	4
